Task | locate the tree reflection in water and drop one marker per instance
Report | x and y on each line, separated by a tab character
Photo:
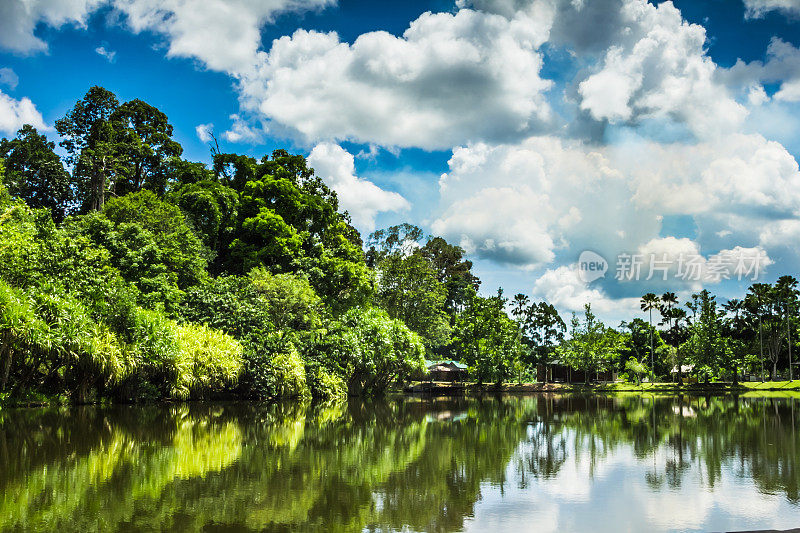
414	464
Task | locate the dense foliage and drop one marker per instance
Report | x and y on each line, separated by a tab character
127	272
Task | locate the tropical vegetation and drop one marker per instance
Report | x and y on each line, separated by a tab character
129	273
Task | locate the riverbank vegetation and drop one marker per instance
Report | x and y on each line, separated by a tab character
130	273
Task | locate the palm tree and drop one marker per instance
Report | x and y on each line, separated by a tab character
668	302
759	294
649	302
734	306
519	306
787	291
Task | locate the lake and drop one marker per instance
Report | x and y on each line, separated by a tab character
534	463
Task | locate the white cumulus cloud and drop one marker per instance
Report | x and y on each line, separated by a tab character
9	78
360	197
103	51
528	203
758	8
14	113
204	132
242	131
449	79
521	203
563	288
223	34
18	20
782	66
658	69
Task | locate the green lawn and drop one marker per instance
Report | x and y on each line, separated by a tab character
773	385
666	386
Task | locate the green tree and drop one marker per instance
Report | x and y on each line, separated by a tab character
288	221
183	252
400	239
487	339
35	174
649	302
757	305
592	346
541	330
636	368
409	290
709	348
786	292
143	140
88	138
381	350
547	329
736	333
637	345
453	271
211	208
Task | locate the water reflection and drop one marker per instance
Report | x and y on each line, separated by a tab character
534	463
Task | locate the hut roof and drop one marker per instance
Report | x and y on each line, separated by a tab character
445	365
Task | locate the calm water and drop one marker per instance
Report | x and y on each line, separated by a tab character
542	463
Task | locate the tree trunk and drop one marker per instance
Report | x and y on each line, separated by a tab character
789	342
6	349
82	387
652	359
761	347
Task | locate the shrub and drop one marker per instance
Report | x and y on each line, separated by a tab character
324	384
383	350
273	370
207	360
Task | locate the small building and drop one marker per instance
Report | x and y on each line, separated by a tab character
685	373
446	371
685	369
557	372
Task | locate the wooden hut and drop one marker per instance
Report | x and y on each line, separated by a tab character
446	371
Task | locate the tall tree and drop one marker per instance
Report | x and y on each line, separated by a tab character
637	346
649	302
707	341
544	330
754	303
145	148
759	302
787	293
402	238
35	173
519	306
409	290
89	141
487	339
736	333
669	301
453	271
592	347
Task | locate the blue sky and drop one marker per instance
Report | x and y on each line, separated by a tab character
528	131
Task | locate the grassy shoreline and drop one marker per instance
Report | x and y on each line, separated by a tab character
667	387
457	389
